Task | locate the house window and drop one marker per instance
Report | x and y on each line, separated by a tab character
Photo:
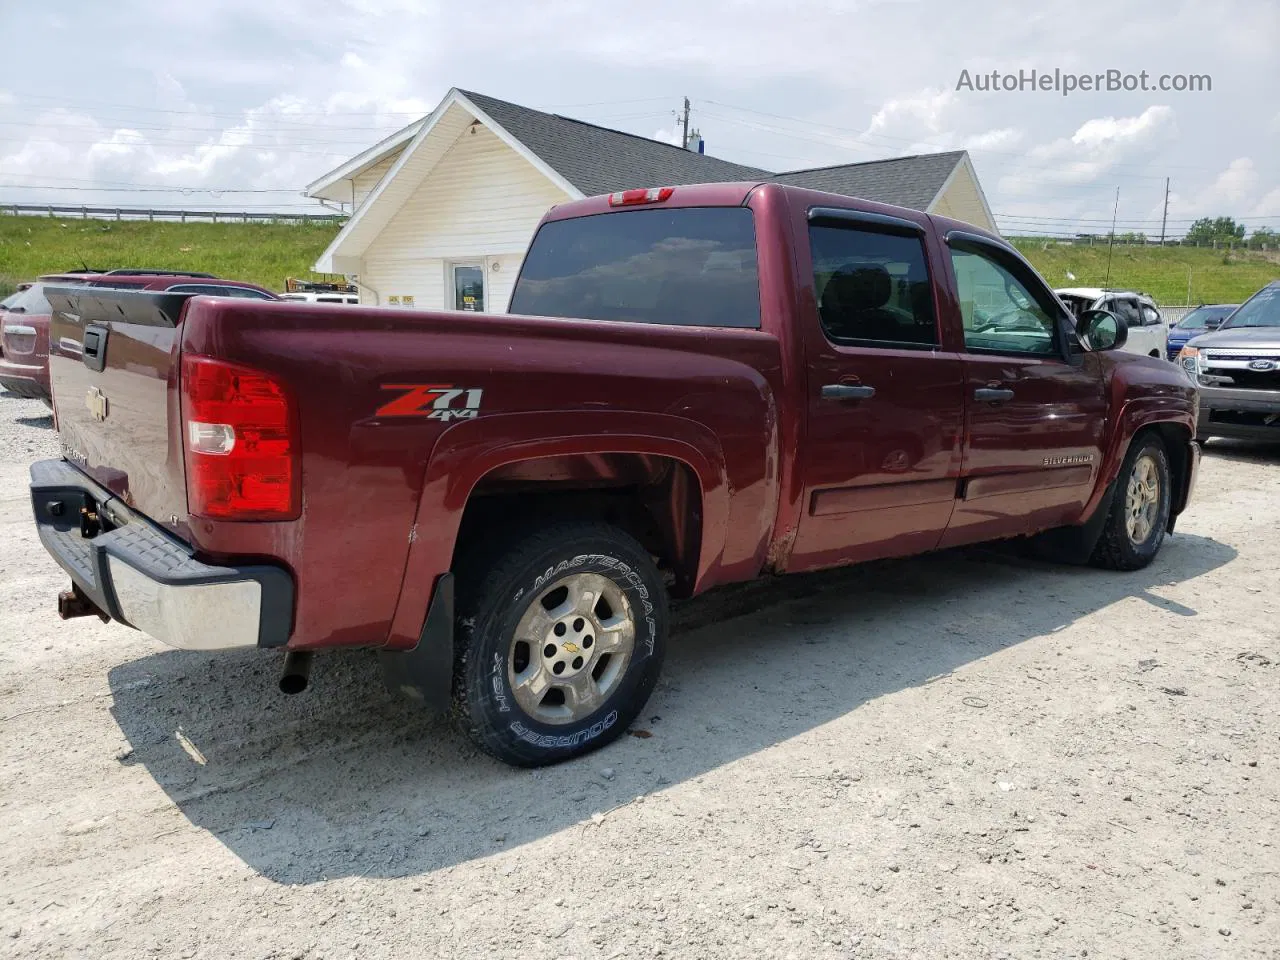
468	287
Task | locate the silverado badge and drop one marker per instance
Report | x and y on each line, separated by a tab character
96	401
1065	461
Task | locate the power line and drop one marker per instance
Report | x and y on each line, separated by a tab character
196	110
1014	216
808	124
860	142
185	190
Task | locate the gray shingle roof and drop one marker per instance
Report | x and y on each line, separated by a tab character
599	160
903	181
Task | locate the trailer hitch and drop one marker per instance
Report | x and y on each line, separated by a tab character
74	603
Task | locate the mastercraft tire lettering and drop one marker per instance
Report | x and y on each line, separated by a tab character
560	639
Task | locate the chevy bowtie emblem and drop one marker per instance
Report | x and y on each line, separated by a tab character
96	401
570	647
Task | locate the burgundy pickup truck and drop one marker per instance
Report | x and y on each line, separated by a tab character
763	380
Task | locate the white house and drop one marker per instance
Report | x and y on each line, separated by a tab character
443	210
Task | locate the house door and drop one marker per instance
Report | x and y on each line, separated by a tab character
468	287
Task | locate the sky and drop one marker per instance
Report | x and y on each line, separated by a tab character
238	104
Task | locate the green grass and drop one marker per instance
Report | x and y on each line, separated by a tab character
266	253
261	253
1215	276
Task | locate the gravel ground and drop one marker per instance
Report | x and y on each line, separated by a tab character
962	755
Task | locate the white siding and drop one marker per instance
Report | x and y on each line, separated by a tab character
480	203
498	285
962	201
422	279
429	280
363	185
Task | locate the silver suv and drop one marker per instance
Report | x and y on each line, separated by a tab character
1237	368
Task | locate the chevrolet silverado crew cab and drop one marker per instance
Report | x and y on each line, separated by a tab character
1238	370
694	386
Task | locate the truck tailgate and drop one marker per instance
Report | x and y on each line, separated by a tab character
113	367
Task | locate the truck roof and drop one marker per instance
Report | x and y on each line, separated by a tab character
736	194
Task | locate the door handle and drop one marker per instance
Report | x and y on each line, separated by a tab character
847	391
993	394
94	350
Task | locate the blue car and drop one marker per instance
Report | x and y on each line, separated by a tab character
1200	320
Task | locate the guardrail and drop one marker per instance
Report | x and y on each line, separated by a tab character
84	212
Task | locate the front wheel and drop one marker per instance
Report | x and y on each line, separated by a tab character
1139	514
560	638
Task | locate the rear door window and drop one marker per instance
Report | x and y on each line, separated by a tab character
872	286
690	266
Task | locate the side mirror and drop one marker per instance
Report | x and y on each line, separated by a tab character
1213	324
1101	330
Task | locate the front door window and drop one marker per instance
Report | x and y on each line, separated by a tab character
468	287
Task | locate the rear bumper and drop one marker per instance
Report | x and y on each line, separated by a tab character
143	577
26	380
1243	414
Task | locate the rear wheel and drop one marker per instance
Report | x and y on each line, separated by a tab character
1139	514
561	635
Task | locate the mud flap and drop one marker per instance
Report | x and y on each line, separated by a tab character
1074	544
425	673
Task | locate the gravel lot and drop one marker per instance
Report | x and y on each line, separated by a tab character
963	755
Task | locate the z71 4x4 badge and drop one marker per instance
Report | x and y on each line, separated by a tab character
435	401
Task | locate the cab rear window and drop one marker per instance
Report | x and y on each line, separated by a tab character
691	266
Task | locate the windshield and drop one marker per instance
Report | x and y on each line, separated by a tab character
1260	310
1198	318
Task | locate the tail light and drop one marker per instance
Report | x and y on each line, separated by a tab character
626	198
241	441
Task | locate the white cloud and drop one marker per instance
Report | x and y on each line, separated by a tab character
924	111
1124	132
672	135
1237	191
1003	139
1268	206
1093	152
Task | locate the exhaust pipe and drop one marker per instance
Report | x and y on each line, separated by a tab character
297	672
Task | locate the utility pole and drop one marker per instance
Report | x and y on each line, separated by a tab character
684	137
1164	219
1111	240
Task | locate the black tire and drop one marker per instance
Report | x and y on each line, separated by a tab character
497	587
1116	549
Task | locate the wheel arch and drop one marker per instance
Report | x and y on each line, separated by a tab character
1173	424
482	470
